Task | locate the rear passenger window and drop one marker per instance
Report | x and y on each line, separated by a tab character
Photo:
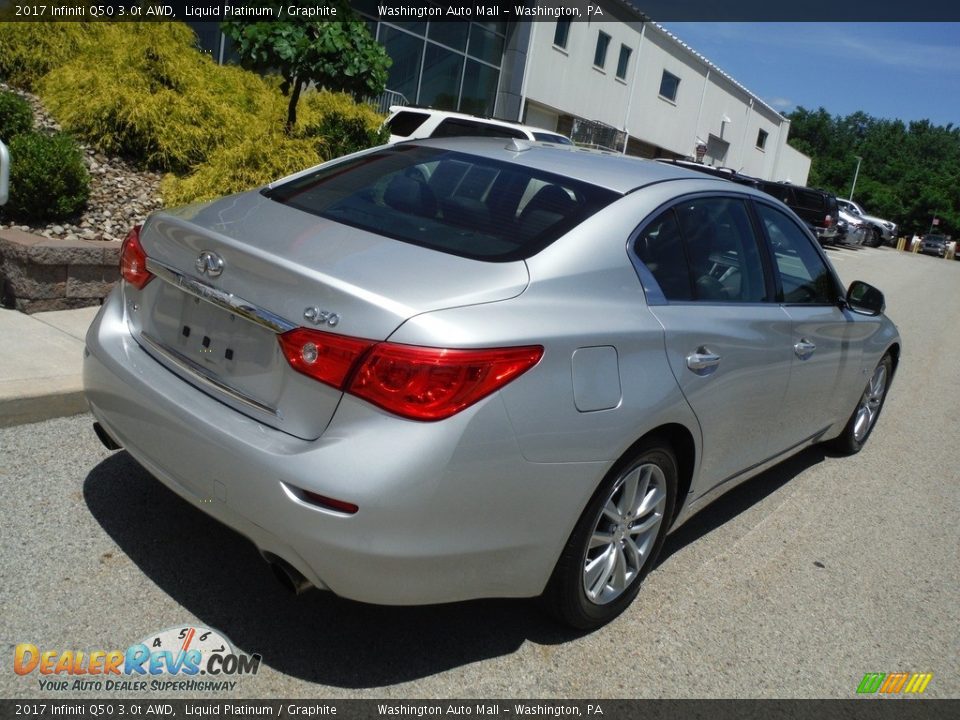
803	273
705	249
660	248
722	249
406	122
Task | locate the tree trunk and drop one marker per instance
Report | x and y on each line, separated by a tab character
292	105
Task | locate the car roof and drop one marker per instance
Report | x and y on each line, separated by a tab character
394	109
620	173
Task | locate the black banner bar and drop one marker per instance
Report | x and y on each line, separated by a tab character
479	10
854	709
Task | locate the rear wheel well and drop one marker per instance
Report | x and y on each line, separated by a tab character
681	441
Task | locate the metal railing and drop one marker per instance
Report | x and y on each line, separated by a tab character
387	98
592	133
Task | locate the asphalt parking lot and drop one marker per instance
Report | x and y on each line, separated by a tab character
795	584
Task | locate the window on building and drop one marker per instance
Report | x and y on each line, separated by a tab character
406	51
762	139
623	62
600	56
669	84
562	33
440	82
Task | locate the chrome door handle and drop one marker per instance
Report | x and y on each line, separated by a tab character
804	349
702	360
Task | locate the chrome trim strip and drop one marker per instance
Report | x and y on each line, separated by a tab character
215	296
203	376
694	506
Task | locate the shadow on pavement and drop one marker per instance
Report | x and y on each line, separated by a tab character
218	576
739	499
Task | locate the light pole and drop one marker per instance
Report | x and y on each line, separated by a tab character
855	176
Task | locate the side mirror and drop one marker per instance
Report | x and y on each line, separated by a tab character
864	298
4	174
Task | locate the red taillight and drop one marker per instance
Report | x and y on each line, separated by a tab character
323	356
420	383
828	221
133	260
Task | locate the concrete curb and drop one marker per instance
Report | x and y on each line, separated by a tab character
41	364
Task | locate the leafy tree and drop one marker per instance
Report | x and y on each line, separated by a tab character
908	172
339	55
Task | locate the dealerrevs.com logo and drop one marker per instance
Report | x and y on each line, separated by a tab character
181	659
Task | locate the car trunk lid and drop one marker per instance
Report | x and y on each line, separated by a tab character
233	274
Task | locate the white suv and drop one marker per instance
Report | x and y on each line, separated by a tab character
410	123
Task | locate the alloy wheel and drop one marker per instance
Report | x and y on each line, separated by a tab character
624	533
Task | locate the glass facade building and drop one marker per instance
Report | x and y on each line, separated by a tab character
444	65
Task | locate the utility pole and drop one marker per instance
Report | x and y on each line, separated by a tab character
855	176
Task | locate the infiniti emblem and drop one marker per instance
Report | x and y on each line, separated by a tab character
209	263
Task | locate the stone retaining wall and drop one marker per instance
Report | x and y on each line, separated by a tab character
39	273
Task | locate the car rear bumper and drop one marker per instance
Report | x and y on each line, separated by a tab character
447	511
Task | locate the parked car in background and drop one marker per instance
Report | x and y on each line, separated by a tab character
817	208
882	231
934	245
473	367
858	231
415	123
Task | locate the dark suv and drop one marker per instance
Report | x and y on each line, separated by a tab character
817	208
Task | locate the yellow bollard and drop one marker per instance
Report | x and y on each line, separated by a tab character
901	243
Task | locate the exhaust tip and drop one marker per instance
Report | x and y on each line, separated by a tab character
108	442
287	575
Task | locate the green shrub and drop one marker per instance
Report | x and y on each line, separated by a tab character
343	125
163	102
255	161
16	117
29	50
48	180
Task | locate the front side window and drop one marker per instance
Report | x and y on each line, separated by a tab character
600	56
452	202
804	275
669	84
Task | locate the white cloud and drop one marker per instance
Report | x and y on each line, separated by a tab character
781	103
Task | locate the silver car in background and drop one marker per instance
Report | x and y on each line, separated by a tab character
462	368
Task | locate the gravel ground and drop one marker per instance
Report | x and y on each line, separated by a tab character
793	585
121	195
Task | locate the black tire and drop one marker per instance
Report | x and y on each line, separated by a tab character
632	550
854	435
877	239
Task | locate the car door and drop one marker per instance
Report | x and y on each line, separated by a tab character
727	340
824	362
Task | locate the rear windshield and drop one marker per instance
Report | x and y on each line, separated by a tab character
406	122
453	202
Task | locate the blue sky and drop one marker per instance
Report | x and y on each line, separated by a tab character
909	71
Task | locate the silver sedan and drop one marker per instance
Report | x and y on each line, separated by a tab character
462	368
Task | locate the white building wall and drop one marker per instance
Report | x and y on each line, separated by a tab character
566	79
671	124
560	81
